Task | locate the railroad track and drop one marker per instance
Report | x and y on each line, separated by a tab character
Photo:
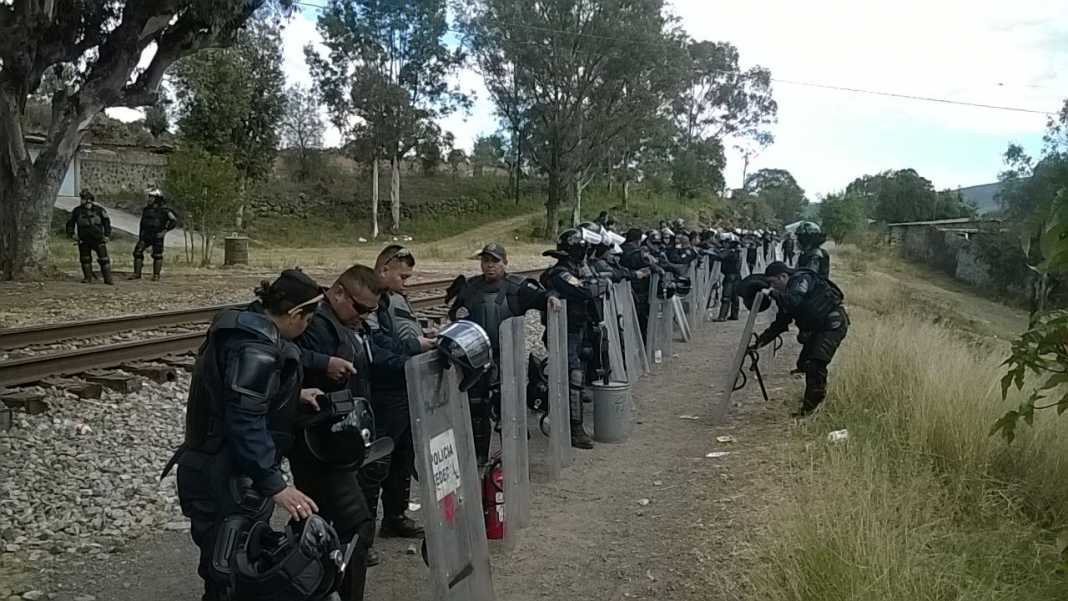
28	370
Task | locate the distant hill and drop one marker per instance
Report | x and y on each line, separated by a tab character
983	196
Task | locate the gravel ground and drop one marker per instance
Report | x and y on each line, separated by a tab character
649	519
73	344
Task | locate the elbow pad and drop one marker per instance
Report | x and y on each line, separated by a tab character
254	376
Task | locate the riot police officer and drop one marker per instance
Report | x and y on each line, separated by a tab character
488	300
810	237
336	357
638	260
396	336
239	417
565	279
788	250
814	304
156	220
730	256
90	227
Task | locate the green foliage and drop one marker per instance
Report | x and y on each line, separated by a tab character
903	195
230	101
1003	254
489	151
157	120
698	168
205	188
778	189
301	127
842	217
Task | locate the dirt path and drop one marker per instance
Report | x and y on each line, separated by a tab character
590	538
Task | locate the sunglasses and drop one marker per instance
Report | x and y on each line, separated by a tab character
360	308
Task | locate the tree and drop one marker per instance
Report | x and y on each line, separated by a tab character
157	121
780	191
903	195
488	151
577	75
433	150
302	127
205	188
100	43
457	159
385	77
842	216
698	168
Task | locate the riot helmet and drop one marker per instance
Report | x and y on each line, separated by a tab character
86	196
748	289
467	346
809	235
572	243
304	562
342	433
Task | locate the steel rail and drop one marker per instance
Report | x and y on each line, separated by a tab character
27	370
11	338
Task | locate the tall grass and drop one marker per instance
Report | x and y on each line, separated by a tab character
921	503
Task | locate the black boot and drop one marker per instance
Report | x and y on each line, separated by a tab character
400	527
138	265
87	273
157	267
579	438
105	272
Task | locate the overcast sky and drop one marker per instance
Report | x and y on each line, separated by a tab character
982	51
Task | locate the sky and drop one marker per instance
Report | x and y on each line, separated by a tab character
981	51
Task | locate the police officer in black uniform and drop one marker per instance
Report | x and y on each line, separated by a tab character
488	300
239	417
814	304
90	227
788	249
565	279
396	336
156	220
813	257
336	356
730	257
638	260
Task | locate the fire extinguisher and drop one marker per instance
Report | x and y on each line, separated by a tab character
493	500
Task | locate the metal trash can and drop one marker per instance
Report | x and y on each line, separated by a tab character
235	250
612	409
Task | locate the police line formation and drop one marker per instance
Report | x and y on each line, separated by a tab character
343	382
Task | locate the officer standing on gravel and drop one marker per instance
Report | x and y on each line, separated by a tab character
396	336
564	279
788	249
90	227
156	220
239	418
337	357
814	304
488	300
730	257
638	260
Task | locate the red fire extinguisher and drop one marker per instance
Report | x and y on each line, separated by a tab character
493	501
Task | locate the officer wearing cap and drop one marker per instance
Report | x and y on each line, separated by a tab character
90	227
156	220
336	356
488	300
239	417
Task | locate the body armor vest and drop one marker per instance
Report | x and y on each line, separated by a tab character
154	218
732	262
90	222
816	260
577	312
208	388
822	300
490	306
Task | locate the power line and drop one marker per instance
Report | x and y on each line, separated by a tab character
808	84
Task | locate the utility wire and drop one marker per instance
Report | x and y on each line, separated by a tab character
807	84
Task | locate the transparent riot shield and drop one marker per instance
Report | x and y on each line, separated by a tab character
457	550
715	287
653	351
560	452
693	300
615	340
637	360
666	328
681	320
720	406
515	454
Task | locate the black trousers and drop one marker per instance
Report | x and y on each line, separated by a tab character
729	301
642	305
390	478
86	248
817	352
148	240
341	502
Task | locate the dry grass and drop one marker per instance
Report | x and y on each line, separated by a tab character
921	503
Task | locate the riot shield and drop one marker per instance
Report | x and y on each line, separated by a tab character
637	360
666	329
680	318
560	452
457	550
719	408
715	286
515	456
652	327
615	340
693	300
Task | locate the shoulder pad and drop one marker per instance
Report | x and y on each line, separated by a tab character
515	280
103	211
532	284
258	324
253	374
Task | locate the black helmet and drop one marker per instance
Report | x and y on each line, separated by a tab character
572	243
809	235
304	562
682	285
342	433
85	194
466	345
748	288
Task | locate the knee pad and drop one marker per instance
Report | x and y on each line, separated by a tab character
376	471
157	257
575	379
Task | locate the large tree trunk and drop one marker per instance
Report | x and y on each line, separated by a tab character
576	211
374	199
394	194
626	191
552	205
28	187
518	162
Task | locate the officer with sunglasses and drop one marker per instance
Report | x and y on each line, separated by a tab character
336	356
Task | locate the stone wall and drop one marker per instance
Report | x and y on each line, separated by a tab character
970	266
108	171
948	251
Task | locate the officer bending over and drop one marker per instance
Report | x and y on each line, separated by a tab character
239	417
814	304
